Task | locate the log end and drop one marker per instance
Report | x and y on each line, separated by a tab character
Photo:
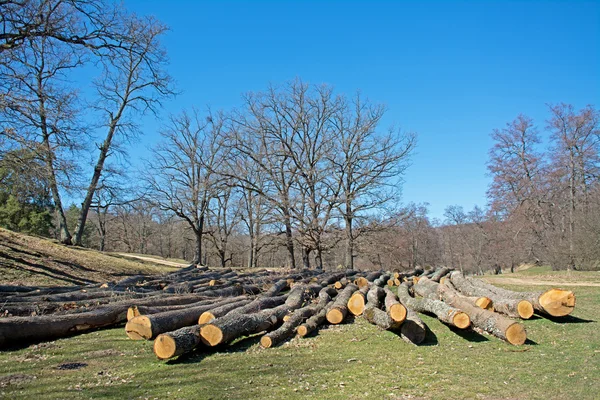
338	285
361	282
302	331
132	312
558	302
205	318
443	280
515	334
266	342
164	347
484	303
461	320
139	328
356	304
397	313
391	282
211	335
335	316
397	282
525	309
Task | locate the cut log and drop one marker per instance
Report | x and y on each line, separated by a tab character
229	327
504	301
136	311
220	311
413	330
358	300
149	326
394	308
295	319
178	342
319	317
441	310
373	313
339	308
361	282
440	273
490	322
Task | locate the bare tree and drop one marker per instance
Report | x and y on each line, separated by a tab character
575	160
39	111
181	176
224	216
368	163
133	82
80	23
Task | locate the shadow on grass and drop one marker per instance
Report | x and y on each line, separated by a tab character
469	334
568	319
201	352
430	339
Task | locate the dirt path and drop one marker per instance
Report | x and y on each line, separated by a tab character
155	260
535	282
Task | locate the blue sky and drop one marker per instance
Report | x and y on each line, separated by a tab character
450	71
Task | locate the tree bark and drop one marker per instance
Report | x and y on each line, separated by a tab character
515	308
441	310
339	308
149	326
554	302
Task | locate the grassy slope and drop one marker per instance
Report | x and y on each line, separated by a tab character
351	361
34	261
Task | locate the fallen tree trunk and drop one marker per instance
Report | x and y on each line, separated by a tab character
136	311
231	326
373	313
394	308
149	326
554	302
320	316
490	322
413	330
441	310
339	308
288	329
358	300
178	342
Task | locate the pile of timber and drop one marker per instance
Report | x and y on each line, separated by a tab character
198	307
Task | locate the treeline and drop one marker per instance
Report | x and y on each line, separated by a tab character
296	175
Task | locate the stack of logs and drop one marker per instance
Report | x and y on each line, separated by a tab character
197	307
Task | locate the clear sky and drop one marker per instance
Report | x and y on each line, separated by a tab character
450	71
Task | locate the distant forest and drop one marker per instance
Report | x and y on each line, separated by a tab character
296	176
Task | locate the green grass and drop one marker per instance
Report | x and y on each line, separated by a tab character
353	361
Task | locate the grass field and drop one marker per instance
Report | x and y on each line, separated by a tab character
34	261
561	360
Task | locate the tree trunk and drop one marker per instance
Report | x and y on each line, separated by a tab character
515	308
554	302
149	326
234	325
394	308
300	315
413	330
441	310
490	322
305	257
339	308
